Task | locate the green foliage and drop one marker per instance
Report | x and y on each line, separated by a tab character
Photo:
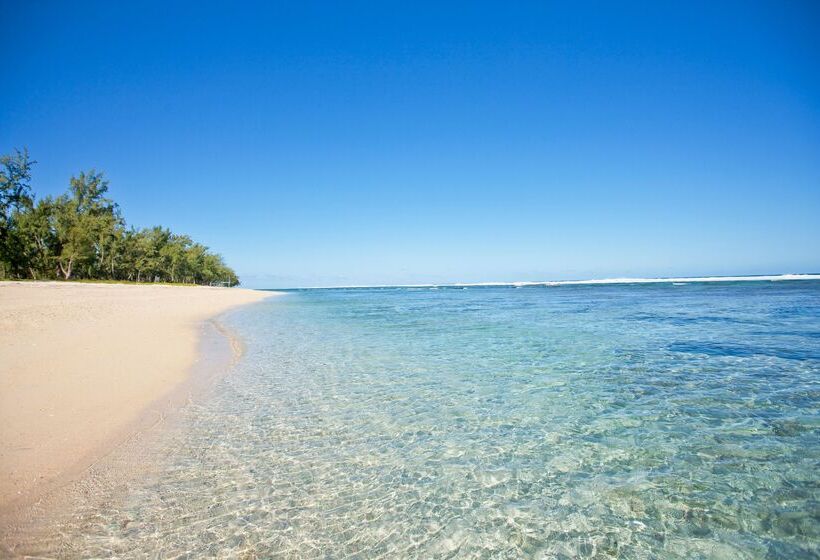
81	235
15	196
15	178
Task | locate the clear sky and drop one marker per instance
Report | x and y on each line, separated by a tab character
409	142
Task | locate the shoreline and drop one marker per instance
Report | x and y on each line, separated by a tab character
38	527
195	348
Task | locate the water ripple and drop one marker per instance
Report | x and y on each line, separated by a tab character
495	423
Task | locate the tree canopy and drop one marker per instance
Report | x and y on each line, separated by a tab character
81	234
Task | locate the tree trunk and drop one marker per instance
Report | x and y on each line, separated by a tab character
66	271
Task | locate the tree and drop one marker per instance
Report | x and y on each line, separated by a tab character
81	234
15	183
86	223
173	256
15	196
38	238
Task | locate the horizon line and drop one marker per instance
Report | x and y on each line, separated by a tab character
603	281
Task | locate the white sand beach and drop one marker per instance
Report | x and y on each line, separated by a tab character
79	365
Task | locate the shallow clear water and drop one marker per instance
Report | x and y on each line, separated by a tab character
646	421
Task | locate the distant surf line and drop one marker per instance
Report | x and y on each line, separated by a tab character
680	280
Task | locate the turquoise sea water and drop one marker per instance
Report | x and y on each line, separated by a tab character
622	421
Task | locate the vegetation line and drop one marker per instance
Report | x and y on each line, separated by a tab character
81	235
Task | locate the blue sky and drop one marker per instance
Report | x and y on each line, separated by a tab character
369	143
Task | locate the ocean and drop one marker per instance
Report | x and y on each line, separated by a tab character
674	420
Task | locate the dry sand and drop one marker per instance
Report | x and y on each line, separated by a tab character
81	363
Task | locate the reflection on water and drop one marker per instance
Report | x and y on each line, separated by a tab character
651	421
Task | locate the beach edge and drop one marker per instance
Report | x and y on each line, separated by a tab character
218	348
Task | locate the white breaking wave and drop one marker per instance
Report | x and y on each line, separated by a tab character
679	280
682	280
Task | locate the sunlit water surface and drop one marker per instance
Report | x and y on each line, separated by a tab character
645	421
